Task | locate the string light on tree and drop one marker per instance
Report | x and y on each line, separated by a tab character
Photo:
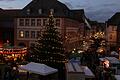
50	46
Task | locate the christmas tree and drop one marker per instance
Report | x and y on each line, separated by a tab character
49	46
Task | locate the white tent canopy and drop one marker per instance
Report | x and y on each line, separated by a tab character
38	68
117	77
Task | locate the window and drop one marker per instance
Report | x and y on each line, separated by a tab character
21	22
28	11
113	28
57	22
44	22
52	10
21	33
38	22
32	34
26	34
32	22
40	11
27	22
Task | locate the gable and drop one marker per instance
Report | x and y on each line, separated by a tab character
44	6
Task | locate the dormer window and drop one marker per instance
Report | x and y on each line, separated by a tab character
40	11
28	11
52	10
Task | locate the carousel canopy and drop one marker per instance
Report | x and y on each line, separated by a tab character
38	68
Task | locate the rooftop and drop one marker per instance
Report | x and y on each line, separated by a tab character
115	19
77	68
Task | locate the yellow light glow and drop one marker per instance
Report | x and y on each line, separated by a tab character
73	52
21	33
101	50
12	55
106	63
80	51
74	49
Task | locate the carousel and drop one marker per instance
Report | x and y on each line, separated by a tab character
13	53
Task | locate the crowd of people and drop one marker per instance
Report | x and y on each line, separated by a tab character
11	72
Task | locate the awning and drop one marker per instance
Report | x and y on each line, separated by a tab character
38	68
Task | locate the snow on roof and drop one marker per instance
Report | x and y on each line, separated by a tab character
38	68
88	72
117	77
73	67
101	59
114	53
76	67
113	60
69	67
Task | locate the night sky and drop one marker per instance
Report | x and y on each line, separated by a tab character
99	10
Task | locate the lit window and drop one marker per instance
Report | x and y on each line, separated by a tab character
32	34
27	22
21	34
32	22
40	11
38	22
26	34
21	22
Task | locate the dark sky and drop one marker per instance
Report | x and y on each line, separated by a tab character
99	10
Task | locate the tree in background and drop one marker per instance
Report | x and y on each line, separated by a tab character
49	46
49	49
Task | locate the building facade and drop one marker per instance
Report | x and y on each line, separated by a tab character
33	18
113	31
7	26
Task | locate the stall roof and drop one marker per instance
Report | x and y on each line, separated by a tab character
38	68
114	53
117	77
88	72
76	67
112	60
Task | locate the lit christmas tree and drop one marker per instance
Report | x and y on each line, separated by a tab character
49	46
